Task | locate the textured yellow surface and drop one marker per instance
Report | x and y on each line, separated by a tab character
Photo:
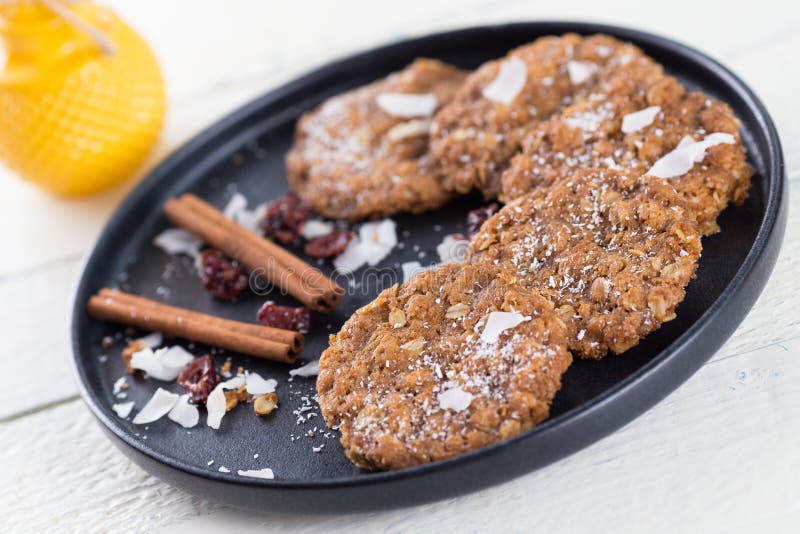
76	121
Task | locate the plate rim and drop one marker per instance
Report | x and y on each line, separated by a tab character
770	232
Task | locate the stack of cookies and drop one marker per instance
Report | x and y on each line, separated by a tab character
610	171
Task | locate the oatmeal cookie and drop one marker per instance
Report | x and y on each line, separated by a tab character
475	136
612	251
631	128
455	359
364	154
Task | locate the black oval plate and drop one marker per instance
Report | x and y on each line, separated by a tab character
246	149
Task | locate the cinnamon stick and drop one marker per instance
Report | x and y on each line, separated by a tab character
107	308
308	273
294	339
266	259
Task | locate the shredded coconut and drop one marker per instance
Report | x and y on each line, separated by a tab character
158	406
686	154
499	322
309	369
455	399
633	122
509	81
408	104
580	71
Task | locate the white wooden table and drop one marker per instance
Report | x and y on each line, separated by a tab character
722	453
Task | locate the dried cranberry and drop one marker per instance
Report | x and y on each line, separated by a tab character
477	217
285	317
221	276
285	217
199	378
328	246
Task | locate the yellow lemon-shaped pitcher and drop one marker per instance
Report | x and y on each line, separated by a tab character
82	98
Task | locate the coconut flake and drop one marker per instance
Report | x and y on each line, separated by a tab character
686	154
410	268
353	257
499	322
381	233
236	210
259	386
152	340
580	71
316	228
164	364
586	121
309	369
509	81
455	399
120	384
452	249
408	104
122	409
633	122
158	406
375	241
223	469
234	383
175	356
265	473
185	414
175	241
215	406
412	128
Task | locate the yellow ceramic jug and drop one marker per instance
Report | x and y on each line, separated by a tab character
82	98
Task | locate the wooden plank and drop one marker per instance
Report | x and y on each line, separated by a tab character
729	432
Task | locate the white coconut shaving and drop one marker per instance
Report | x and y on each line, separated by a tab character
236	210
309	369
176	241
633	122
233	383
265	473
452	249
157	407
686	154
586	121
185	414
412	128
580	71
152	340
410	268
256	385
119	385
498	322
316	228
215	406
122	409
509	81
455	399
163	364
375	241
408	104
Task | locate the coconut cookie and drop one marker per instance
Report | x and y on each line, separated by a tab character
476	135
613	252
658	129
364	154
455	359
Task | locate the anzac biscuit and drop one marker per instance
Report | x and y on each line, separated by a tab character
612	251
455	359
632	128
475	136
364	154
